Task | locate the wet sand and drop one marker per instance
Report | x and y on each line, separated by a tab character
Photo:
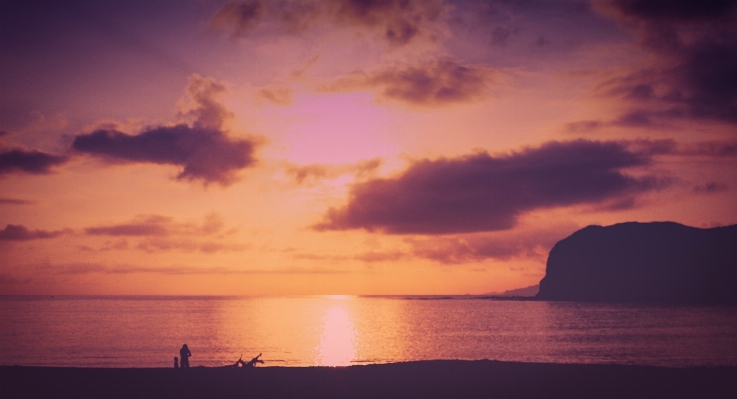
427	379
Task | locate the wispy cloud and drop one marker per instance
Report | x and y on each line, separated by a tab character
437	83
15	201
314	173
464	248
710	188
16	232
278	95
161	233
102	268
159	226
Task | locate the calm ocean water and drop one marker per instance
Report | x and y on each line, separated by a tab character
307	331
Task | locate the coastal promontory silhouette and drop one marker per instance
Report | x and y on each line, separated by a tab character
636	262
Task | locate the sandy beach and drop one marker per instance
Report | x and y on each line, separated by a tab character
427	379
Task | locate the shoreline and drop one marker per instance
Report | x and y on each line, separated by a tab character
427	379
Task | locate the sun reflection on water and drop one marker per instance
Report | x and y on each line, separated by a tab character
338	340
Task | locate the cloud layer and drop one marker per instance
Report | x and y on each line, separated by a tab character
480	192
159	226
695	45
398	22
162	233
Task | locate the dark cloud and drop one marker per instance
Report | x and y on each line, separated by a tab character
709	149
16	232
480	192
676	10
396	21
438	83
709	79
35	162
313	173
205	154
202	148
15	201
696	47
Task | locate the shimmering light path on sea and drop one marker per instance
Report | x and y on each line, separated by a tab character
344	330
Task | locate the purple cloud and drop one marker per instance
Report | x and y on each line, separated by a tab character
398	22
16	232
205	154
695	43
480	192
34	162
438	83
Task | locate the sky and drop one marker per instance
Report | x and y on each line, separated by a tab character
354	147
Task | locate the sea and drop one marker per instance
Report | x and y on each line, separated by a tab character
148	331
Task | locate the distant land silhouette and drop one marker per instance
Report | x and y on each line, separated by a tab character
527	291
641	262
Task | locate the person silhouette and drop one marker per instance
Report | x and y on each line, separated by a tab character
184	353
176	362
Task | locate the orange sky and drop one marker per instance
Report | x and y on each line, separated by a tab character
349	147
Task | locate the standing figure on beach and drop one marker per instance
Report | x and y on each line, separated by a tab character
176	362
184	355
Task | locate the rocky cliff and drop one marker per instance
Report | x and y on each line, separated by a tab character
638	262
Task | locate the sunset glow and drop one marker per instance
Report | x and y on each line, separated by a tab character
337	342
349	148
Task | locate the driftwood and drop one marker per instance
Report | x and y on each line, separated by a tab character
240	363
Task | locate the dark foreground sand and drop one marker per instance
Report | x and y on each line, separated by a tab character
449	379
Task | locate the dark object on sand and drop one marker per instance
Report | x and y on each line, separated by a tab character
252	363
644	262
176	362
184	353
